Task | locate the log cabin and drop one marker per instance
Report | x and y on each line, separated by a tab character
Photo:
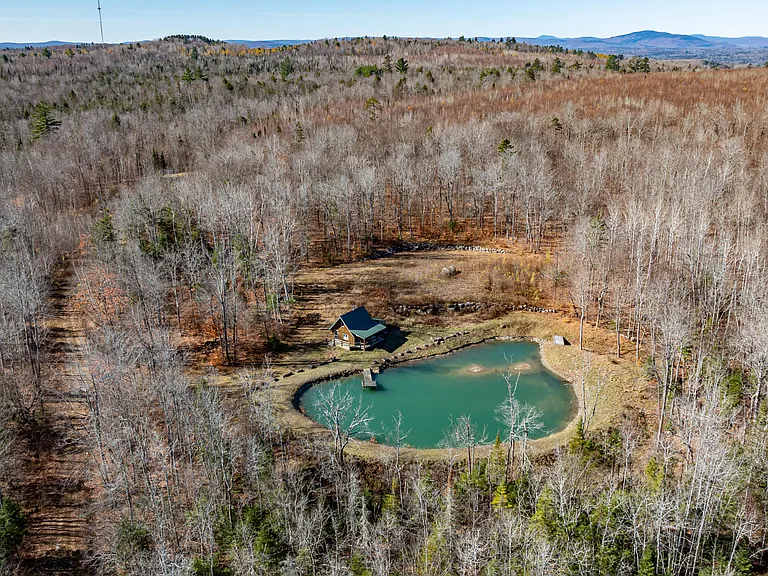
356	330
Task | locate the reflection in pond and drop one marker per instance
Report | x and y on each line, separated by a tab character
469	382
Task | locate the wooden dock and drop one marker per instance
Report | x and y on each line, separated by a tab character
368	382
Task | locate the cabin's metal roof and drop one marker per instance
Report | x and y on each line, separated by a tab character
360	323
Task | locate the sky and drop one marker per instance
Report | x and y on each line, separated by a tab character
124	21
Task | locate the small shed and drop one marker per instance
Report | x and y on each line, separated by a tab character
558	340
356	330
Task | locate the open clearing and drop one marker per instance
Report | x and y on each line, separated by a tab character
495	281
414	279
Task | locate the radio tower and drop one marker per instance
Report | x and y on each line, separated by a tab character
101	26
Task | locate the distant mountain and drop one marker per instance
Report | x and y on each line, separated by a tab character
745	50
650	39
19	45
743	42
249	43
268	43
749	49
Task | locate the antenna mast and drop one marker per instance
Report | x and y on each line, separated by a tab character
101	26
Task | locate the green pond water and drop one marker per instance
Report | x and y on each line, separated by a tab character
469	382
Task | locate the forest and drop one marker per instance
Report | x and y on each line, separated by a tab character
159	201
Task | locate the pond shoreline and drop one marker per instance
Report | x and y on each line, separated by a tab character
300	422
397	363
464	380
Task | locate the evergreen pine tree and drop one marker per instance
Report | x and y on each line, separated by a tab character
298	133
647	565
373	107
43	121
188	76
103	230
654	475
13	526
391	503
742	565
612	63
286	68
500	497
578	440
399	89
504	146
497	464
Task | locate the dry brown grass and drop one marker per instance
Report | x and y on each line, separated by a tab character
414	278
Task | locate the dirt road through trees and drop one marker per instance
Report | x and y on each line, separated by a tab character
55	491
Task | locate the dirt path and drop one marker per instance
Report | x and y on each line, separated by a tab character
55	492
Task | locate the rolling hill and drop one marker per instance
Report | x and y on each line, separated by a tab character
749	49
743	50
22	45
267	43
248	43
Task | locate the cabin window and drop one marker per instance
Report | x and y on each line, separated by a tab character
346	336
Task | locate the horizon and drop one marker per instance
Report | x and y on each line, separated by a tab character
307	20
484	36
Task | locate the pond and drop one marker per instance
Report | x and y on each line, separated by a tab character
429	393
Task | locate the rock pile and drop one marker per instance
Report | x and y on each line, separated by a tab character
466	306
420	309
428	247
536	309
436	308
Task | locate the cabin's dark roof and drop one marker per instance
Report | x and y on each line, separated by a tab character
360	323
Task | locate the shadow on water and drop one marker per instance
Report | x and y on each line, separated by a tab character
379	389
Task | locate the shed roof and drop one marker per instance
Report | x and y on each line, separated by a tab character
360	323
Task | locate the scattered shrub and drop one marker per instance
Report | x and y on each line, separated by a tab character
13	527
